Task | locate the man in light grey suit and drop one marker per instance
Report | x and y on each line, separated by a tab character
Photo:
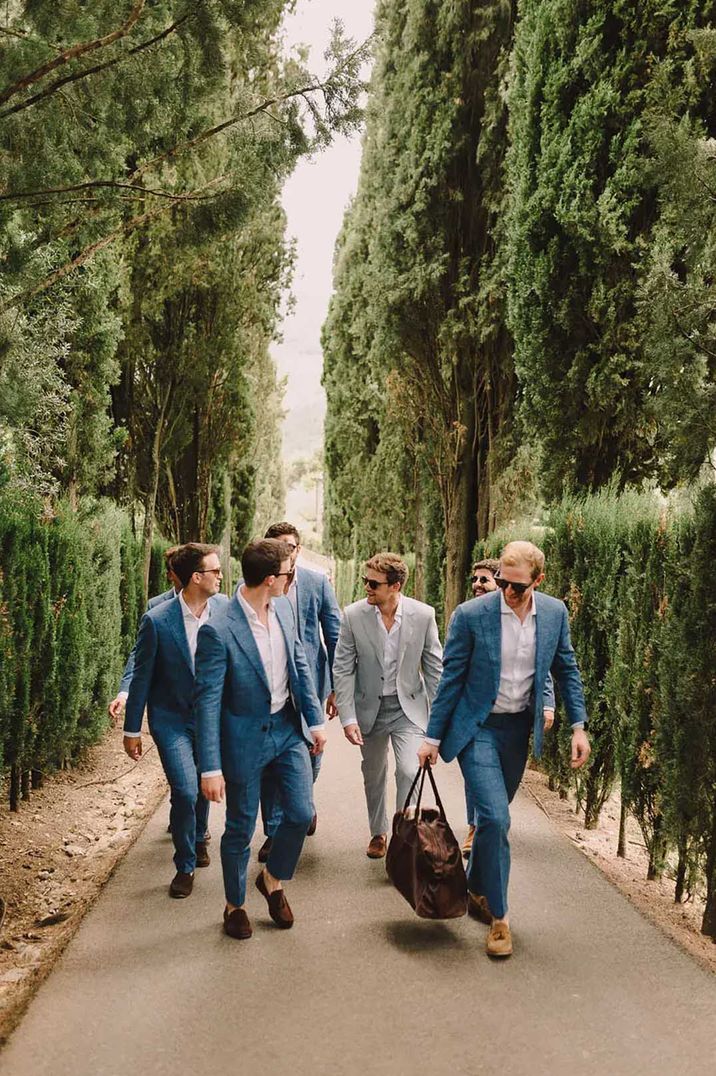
386	671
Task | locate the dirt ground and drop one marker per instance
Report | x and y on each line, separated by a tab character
62	846
57	852
655	900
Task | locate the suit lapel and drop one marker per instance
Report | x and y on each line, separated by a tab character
491	623
285	622
541	636
370	624
175	619
303	601
406	630
244	637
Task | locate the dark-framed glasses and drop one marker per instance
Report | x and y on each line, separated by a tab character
480	579
373	583
205	571
519	588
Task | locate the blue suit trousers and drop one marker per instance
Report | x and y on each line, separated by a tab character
283	759
493	764
189	814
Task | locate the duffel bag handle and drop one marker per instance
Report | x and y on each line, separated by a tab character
422	770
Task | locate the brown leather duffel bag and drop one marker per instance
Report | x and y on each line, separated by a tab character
424	861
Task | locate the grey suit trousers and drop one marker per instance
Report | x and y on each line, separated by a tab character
391	725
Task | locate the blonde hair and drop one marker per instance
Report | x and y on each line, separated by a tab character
390	565
517	553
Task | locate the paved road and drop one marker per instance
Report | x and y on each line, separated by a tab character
360	985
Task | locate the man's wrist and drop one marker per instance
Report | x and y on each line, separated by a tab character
432	742
212	773
123	695
581	725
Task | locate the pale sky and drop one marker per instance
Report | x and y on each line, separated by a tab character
315	199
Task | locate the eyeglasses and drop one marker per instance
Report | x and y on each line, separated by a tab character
374	583
279	574
205	571
519	588
480	579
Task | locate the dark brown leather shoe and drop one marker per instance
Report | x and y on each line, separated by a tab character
181	885
378	847
478	908
278	906
202	854
312	828
264	850
237	924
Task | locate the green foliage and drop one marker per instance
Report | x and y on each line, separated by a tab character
69	606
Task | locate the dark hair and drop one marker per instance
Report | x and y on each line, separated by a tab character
188	559
169	555
263	558
390	565
490	563
277	530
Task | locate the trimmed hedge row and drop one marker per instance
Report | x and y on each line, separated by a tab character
70	600
638	578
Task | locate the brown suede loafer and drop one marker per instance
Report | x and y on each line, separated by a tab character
181	885
202	854
467	843
278	906
499	939
478	908
312	828
264	850
237	924
377	847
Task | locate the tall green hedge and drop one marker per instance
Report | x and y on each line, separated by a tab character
70	599
637	576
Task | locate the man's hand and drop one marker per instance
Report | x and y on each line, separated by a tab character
548	719
331	708
353	734
212	788
116	708
319	741
581	749
133	747
428	752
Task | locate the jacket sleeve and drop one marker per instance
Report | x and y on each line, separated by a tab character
126	681
566	673
548	694
344	673
145	653
432	658
210	664
456	663
329	616
310	705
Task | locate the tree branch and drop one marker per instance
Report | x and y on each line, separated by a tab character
74	53
78	75
97	183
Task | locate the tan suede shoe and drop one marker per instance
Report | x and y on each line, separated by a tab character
499	939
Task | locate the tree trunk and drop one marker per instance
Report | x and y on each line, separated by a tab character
226	536
25	784
420	535
708	923
15	788
656	853
681	872
37	779
150	502
621	843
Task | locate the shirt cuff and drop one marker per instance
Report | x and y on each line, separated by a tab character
577	725
347	720
212	773
317	728
435	743
123	695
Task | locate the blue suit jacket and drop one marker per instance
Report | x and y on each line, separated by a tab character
318	610
163	677
158	599
232	697
471	670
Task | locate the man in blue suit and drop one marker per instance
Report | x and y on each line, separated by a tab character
163	681
118	703
318	624
499	651
256	711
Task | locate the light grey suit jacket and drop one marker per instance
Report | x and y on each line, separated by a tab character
358	663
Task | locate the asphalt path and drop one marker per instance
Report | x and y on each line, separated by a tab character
360	985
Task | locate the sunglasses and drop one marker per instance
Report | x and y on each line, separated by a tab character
374	583
480	579
519	588
205	571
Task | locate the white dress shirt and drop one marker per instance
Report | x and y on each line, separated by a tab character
391	647
517	659
272	650
192	624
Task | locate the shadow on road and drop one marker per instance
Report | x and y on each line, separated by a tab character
416	937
